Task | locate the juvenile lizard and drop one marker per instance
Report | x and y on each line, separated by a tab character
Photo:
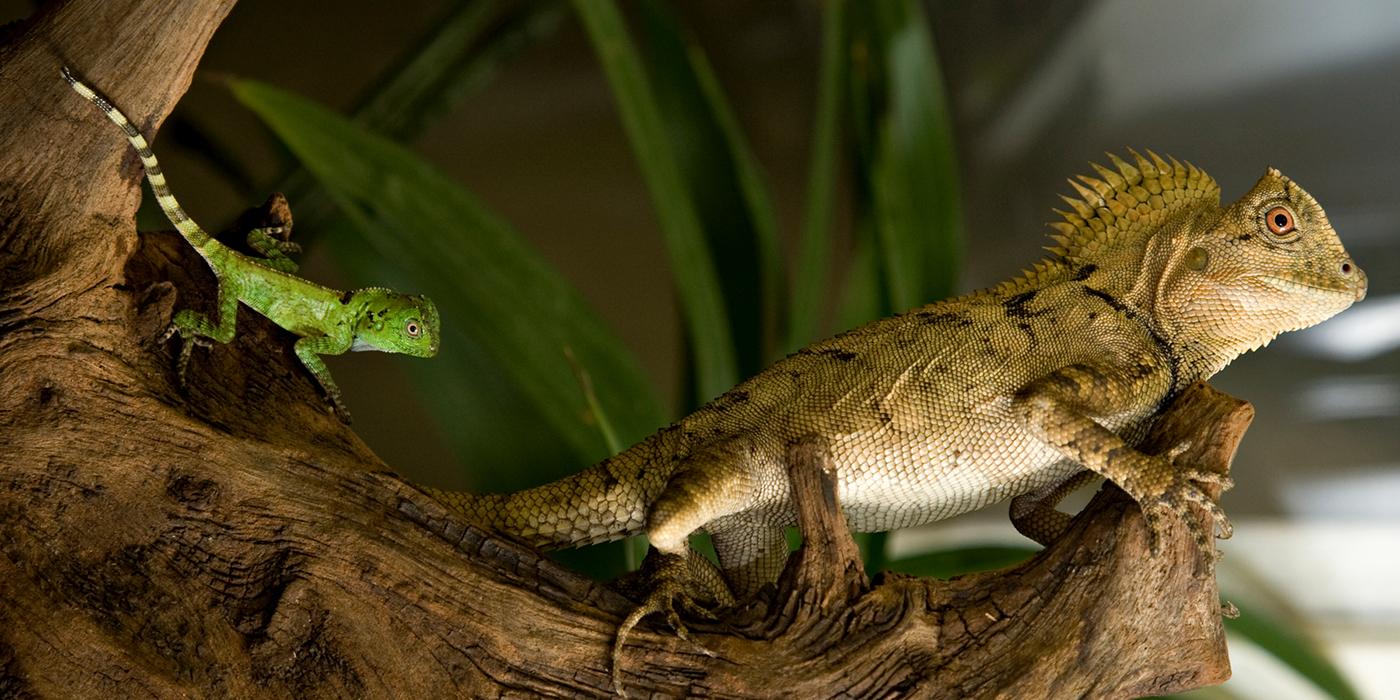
326	321
1019	391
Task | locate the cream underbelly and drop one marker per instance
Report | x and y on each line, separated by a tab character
915	484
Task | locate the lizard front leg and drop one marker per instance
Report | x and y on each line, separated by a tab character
309	351
1055	409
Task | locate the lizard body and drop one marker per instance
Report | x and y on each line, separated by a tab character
326	321
1008	392
1023	391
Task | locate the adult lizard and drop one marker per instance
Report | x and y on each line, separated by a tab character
1021	391
326	321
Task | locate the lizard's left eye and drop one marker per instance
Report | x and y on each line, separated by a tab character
1280	221
412	329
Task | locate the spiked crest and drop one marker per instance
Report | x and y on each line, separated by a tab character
1120	206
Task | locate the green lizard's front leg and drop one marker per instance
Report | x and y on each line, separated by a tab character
309	350
273	250
1055	408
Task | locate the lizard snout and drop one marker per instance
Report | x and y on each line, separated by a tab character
1349	269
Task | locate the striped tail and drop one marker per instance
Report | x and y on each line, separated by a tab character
188	228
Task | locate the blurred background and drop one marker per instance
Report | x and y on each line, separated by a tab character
972	114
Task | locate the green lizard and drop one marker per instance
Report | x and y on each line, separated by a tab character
1021	391
328	322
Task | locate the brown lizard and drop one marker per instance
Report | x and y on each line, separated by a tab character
1024	390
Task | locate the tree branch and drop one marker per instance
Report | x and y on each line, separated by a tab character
241	542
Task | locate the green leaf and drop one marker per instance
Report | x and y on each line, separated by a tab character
498	299
697	285
810	278
907	240
963	560
1293	650
724	180
904	138
463	51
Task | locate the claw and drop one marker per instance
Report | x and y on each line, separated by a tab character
1217	513
183	363
339	409
668	593
1178	450
1175	500
1209	477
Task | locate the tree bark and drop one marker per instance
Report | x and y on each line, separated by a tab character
239	541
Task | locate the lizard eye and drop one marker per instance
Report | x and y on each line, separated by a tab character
1279	221
412	329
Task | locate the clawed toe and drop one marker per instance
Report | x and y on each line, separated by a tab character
670	594
1202	476
1175	503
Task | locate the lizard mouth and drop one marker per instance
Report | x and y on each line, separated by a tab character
1314	287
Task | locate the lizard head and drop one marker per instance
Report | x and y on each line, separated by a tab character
1269	263
394	322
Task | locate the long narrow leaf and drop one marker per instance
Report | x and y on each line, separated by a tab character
461	52
916	186
724	179
814	252
753	188
1293	650
908	229
702	303
489	285
905	152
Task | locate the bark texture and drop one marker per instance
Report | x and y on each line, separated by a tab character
239	541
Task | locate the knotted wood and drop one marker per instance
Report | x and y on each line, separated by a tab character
239	541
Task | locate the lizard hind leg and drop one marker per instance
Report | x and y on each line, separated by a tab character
751	554
1034	514
196	329
675	582
709	487
275	251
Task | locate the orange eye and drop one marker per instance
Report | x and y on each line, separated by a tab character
1280	221
412	329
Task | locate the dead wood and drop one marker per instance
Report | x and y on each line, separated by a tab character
241	542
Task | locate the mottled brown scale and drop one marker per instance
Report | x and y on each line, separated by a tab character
1014	391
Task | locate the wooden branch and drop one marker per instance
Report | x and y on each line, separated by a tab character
241	542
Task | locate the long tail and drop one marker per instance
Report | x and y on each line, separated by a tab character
188	228
605	502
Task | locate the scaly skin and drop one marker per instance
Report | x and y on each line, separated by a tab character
1015	391
328	322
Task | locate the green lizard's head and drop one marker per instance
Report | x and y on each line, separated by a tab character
394	322
1269	263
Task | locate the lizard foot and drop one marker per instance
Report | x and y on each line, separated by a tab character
1174	501
338	407
187	346
672	581
279	235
